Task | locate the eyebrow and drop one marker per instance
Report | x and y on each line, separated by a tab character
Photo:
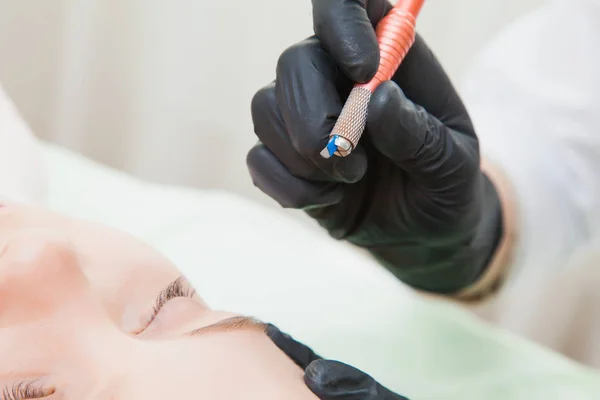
232	324
238	323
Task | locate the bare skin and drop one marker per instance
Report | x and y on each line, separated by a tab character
77	321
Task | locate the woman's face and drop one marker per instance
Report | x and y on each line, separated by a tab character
87	312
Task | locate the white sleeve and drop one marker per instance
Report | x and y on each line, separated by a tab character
534	96
22	178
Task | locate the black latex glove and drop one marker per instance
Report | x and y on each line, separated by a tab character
412	192
330	380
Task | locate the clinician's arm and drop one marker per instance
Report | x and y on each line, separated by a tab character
534	97
413	193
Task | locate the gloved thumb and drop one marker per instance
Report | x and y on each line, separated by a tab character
333	380
432	154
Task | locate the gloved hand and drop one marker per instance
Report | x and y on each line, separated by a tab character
412	192
330	380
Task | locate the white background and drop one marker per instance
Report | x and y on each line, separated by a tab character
162	88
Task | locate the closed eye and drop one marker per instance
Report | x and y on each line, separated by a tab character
180	287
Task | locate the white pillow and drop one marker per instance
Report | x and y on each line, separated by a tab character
248	258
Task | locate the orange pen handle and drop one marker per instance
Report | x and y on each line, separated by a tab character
396	34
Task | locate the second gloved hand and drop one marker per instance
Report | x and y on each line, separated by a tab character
412	192
328	379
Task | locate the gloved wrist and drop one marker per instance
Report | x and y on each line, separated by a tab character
497	271
451	267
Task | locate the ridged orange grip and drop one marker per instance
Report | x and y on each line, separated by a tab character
396	34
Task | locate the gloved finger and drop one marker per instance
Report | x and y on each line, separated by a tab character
273	178
301	354
271	130
345	27
424	81
436	158
333	380
307	93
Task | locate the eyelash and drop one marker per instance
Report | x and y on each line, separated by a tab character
25	390
179	288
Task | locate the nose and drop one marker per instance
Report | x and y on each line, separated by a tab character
40	274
